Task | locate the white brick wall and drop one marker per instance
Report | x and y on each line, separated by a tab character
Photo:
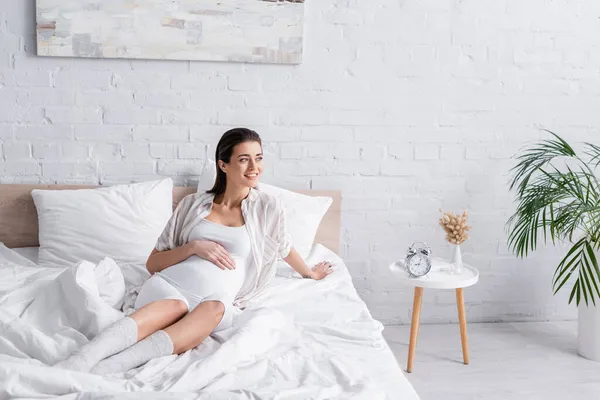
405	106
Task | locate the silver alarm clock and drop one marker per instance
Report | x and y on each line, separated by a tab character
418	259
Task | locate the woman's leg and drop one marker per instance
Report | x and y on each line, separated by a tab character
125	333
192	329
183	335
116	337
159	305
158	315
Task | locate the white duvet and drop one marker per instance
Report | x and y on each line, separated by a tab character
300	339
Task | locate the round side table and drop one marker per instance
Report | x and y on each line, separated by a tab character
439	277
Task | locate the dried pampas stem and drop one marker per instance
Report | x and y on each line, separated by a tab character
455	226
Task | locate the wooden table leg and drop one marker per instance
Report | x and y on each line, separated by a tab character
460	303
414	327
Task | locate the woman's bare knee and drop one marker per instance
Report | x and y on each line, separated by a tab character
158	315
217	310
176	309
196	326
179	307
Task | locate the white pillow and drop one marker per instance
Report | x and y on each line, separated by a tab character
207	179
121	222
303	215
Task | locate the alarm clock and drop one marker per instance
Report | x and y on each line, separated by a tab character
418	259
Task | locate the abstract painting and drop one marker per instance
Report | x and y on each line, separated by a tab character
267	31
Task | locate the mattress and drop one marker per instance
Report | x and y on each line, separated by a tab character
299	339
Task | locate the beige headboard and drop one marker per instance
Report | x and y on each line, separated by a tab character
19	227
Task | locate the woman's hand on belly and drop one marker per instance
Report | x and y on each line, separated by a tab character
213	252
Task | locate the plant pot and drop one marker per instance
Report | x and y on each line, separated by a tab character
588	335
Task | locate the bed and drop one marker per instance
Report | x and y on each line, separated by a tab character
300	339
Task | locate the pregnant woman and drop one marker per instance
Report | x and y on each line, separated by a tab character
217	251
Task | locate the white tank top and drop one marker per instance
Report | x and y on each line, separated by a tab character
201	277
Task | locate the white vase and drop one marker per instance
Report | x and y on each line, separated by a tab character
457	263
588	332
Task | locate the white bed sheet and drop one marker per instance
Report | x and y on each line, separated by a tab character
300	339
30	253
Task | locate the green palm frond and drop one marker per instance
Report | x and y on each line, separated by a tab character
531	160
594	152
581	261
559	203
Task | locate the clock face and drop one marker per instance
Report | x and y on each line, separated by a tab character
419	265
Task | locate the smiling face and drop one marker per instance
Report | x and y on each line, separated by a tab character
245	166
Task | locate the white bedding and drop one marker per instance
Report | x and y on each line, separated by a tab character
300	339
30	253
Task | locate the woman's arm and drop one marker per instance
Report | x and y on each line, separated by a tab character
318	272
160	260
211	251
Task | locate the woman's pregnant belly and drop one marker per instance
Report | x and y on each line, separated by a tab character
202	278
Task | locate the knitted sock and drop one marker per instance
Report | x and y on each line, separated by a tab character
112	340
159	344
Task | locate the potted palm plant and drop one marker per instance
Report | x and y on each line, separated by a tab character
558	197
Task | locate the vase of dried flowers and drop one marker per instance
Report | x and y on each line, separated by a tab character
456	228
